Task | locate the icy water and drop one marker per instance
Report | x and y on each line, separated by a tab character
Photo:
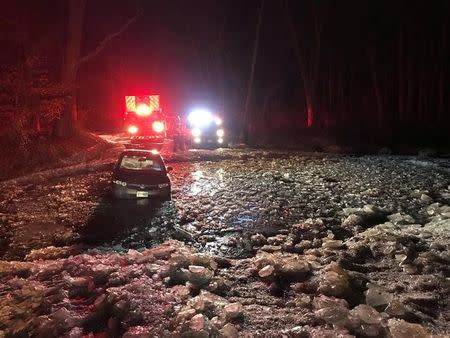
322	245
218	203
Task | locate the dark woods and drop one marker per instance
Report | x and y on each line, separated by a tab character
44	48
376	69
379	69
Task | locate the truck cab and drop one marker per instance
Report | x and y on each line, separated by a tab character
206	129
144	120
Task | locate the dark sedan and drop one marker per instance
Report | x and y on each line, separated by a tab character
141	174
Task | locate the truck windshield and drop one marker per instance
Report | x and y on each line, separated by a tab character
131	162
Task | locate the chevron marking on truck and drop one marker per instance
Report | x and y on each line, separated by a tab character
130	102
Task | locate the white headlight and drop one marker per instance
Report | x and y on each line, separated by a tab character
218	121
196	132
133	129
197	140
200	118
220	140
220	132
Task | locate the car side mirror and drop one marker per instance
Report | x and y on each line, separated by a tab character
169	169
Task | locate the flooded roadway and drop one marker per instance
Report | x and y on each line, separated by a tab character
219	201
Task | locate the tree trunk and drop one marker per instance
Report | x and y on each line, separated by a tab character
313	117
411	113
341	99
442	68
66	125
376	87
400	79
265	113
330	114
421	95
308	68
245	126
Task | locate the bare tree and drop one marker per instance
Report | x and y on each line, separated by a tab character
66	125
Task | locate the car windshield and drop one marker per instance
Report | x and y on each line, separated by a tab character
136	162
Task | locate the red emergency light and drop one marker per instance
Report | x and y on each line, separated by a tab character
132	129
143	110
143	105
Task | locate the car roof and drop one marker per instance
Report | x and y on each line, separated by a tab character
141	152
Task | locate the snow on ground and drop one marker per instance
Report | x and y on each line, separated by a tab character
316	245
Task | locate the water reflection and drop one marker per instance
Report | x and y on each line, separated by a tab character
206	185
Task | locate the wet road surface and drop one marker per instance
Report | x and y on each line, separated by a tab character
220	199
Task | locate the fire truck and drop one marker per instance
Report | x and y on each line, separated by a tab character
144	121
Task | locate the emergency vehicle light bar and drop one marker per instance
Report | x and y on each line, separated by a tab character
133	102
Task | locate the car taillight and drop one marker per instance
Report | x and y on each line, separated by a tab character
158	126
133	129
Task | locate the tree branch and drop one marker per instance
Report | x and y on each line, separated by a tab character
107	39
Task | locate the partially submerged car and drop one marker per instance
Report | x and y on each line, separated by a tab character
141	174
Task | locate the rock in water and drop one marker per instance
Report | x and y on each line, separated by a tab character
266	271
353	220
197	322
294	269
180	291
233	311
199	275
258	240
322	301
377	297
334	282
399	218
367	314
426	199
271	248
396	309
185	314
335	315
229	331
402	329
332	244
